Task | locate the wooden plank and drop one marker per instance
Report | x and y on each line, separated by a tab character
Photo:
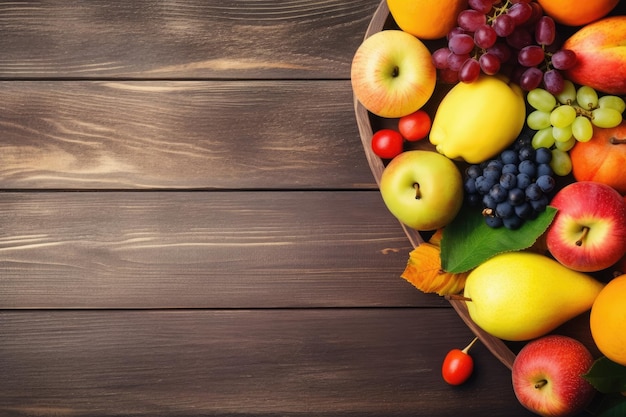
322	363
202	250
152	39
245	134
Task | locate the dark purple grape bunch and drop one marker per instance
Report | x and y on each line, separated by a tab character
514	187
496	34
543	61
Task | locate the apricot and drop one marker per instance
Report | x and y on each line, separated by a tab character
426	19
606	320
577	12
603	158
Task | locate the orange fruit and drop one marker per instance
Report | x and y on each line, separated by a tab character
602	158
608	320
426	19
577	12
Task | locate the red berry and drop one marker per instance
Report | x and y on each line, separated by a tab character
387	143
458	365
414	126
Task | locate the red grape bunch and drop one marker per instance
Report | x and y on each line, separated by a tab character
511	36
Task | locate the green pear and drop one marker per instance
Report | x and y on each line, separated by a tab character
520	296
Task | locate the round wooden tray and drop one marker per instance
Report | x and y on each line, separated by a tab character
367	124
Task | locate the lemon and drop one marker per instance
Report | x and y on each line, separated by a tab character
608	320
476	121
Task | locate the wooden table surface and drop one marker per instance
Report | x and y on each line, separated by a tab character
189	227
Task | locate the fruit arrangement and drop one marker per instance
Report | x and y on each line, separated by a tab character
495	130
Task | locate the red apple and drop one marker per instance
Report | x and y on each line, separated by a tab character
600	55
547	376
589	230
620	267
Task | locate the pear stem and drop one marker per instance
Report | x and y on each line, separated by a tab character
617	141
584	234
541	384
456	297
468	347
418	194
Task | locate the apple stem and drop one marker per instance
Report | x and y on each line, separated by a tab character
468	347
418	195
395	72
617	141
456	297
541	384
579	242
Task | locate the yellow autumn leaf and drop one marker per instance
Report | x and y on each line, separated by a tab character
424	271
436	238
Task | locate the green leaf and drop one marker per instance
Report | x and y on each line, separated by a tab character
609	405
607	376
468	241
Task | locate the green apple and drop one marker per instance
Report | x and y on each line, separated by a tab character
422	189
392	74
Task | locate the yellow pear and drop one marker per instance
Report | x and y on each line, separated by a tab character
520	296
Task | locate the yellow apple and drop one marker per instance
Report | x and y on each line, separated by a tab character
392	74
422	189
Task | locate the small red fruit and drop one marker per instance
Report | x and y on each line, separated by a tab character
458	365
414	126
387	143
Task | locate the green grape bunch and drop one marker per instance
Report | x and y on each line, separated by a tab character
561	120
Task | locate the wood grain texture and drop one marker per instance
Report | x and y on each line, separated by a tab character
150	39
367	125
202	250
189	227
326	363
159	134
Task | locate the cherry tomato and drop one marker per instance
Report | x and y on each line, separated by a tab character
387	143
458	365
415	126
